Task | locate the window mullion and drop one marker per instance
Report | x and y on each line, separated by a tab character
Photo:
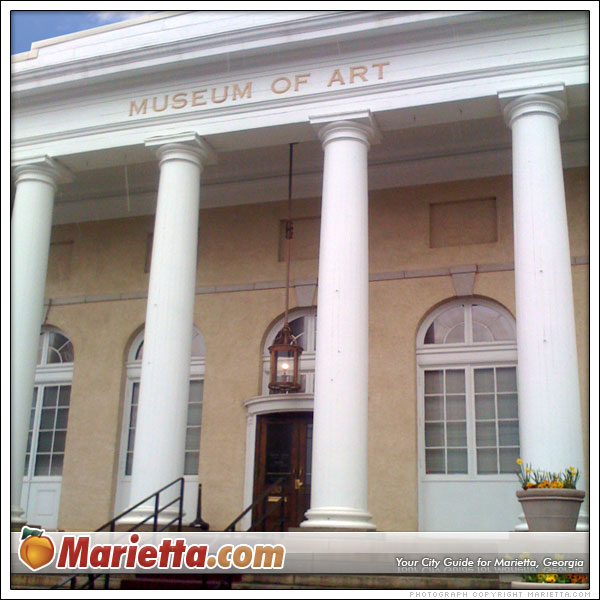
45	346
495	371
468	324
422	454
445	417
130	428
470	410
35	428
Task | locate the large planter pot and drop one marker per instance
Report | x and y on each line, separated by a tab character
551	509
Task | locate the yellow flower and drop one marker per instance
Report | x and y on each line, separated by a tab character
544	484
572	469
529	485
556	484
550	578
519	461
527	470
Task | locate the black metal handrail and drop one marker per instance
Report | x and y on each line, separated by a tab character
110	526
199	522
280	504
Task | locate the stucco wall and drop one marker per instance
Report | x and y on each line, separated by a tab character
237	246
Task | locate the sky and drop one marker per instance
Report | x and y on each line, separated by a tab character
28	26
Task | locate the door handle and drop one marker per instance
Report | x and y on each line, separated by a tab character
298	483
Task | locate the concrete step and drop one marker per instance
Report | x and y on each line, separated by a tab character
400	581
33	581
179	582
36	581
275	582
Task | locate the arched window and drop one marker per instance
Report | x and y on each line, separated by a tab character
303	323
48	427
466	353
468	323
468	420
194	419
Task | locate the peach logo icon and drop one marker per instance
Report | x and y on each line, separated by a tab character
35	550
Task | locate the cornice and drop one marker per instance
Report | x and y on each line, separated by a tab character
175	51
36	46
248	41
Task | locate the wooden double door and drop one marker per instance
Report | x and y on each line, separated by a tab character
283	462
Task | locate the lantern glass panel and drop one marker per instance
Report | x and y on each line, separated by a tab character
285	366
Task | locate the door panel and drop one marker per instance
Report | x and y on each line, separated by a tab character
468	506
40	500
45	454
283	450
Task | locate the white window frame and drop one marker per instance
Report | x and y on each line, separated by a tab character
134	372
46	375
468	356
307	341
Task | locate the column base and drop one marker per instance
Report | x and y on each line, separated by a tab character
522	524
17	518
338	518
583	522
144	512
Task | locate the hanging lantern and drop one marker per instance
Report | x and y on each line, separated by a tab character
285	360
285	351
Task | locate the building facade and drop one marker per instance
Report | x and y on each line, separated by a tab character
439	273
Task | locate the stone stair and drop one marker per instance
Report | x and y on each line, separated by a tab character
274	582
400	581
37	581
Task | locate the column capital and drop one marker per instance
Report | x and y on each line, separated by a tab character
43	169
359	125
549	100
187	146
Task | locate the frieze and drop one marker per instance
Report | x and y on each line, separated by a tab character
301	82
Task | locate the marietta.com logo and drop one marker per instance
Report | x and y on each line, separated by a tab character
35	549
78	552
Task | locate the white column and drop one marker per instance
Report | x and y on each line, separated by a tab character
548	379
339	470
31	225
164	388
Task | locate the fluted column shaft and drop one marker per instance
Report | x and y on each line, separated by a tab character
548	378
31	225
339	471
161	419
